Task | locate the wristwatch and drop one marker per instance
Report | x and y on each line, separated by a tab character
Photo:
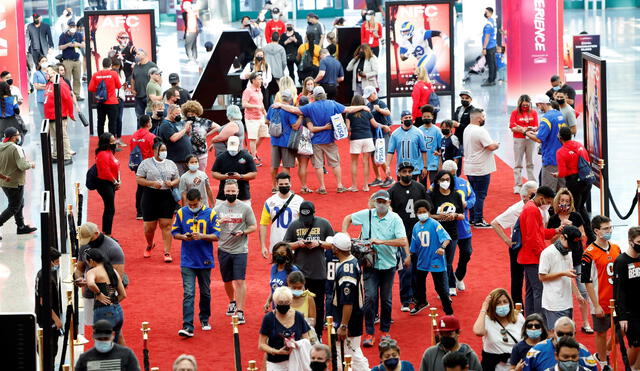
343	326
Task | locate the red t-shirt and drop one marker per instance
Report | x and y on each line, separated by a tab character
370	36
420	96
567	158
533	234
112	81
273	26
523	119
108	166
143	138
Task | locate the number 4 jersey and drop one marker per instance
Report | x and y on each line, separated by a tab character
597	268
279	226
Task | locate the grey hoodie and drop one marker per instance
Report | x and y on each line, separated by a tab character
432	358
13	163
276	58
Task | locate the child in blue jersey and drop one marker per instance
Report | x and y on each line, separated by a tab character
428	243
281	266
450	147
433	139
197	226
409	144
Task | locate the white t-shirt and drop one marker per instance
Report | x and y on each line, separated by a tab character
477	159
493	342
271	208
556	294
509	217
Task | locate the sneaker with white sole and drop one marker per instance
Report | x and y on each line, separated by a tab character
418	308
453	291
241	320
405	308
186	332
460	285
206	326
231	309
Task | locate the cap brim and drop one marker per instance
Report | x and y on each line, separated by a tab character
84	241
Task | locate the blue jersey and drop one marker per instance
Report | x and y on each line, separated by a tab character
196	254
463	187
450	148
332	262
286	119
433	138
550	125
409	145
490	29
426	238
348	290
542	356
279	278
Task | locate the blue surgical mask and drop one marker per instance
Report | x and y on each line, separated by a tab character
193	167
233	153
297	292
556	88
103	346
195	209
606	236
503	310
423	217
534	333
162	155
568	365
55	268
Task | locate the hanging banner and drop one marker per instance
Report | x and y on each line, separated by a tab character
585	44
419	34
13	53
594	77
534	43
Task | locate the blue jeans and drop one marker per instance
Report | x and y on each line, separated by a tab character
463	257
189	276
450	253
112	313
405	277
378	284
480	185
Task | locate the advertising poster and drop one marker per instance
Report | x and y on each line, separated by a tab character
118	35
13	53
584	44
419	36
595	111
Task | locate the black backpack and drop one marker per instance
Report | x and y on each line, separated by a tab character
585	173
306	63
135	158
516	237
91	181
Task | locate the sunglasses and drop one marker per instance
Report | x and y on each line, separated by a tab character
388	343
561	334
503	332
534	326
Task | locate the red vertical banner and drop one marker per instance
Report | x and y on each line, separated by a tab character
13	53
534	42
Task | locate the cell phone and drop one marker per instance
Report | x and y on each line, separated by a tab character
307	242
231	173
189	235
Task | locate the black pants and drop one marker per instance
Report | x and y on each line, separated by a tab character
139	192
331	90
581	192
312	71
438	281
191	45
118	133
291	66
318	287
141	106
107	111
107	190
490	58
376	51
517	276
15	196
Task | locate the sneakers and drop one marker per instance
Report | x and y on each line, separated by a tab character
460	285
376	320
387	183
369	341
231	309
147	251
186	333
418	308
26	229
376	183
453	291
385	336
240	314
206	326
405	308
139	216
488	83
167	257
482	225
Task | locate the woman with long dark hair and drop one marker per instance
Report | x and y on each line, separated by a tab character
106	284
533	332
281	266
8	108
260	66
108	178
365	69
312	51
522	118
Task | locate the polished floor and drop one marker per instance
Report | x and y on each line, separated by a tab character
620	30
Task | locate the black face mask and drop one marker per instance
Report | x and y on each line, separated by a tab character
160	114
318	366
231	198
284	189
563	250
407	123
280	259
465	103
259	58
636	247
427	121
391	363
36	21
289	29
447	342
177	118
405	178
113	147
446	132
482	123
283	308
560	101
10	81
309	23
97	242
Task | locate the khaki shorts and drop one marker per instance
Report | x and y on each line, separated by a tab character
257	129
359	146
328	150
284	155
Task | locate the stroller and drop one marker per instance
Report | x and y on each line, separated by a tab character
478	68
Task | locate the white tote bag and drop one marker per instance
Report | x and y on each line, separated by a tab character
339	127
379	154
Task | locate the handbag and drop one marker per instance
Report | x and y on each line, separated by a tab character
294	139
175	192
305	147
379	153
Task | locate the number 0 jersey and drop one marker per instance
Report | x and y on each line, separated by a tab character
597	268
271	208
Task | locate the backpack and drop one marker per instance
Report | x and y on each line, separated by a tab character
585	173
135	158
516	237
91	181
306	63
434	100
275	125
101	95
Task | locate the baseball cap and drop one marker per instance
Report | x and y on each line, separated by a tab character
86	231
36	15
318	90
406	164
573	236
71	23
275	11
102	328
9	133
307	210
368	91
312	15
381	194
233	143
465	92
341	241
449	323
541	98
286	95
173	78
405	113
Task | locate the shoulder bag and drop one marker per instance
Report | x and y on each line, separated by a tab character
175	192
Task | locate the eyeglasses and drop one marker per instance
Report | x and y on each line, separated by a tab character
123	37
534	325
561	334
503	332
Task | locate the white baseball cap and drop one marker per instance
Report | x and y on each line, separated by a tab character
233	143
541	98
341	241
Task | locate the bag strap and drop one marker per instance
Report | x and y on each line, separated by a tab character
508	333
309	229
369	224
283	208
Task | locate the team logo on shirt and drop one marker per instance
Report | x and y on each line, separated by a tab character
346	291
447	208
633	270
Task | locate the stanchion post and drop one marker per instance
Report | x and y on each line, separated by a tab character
236	343
434	324
602	187
62	232
638	196
252	366
329	335
41	348
71	335
47	236
145	344
66	368
614	356
347	363
518	308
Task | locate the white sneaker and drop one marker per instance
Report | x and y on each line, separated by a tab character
405	308
453	292
460	285
206	326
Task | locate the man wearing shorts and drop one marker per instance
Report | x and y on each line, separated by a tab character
626	286
236	222
597	275
325	150
280	153
254	113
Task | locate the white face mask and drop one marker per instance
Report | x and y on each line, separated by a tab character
545	207
162	155
72	30
445	184
423	217
368	17
193	167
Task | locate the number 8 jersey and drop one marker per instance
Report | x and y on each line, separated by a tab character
279	226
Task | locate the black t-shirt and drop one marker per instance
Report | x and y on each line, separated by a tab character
402	200
576	220
118	358
54	296
447	204
463	116
242	163
626	286
311	262
276	332
176	151
360	125
518	352
348	290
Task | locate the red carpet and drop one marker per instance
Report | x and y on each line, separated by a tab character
155	290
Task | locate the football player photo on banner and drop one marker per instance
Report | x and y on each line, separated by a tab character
419	35
595	111
118	35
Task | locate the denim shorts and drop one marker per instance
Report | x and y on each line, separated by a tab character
233	267
112	313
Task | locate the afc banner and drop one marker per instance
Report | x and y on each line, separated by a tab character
13	53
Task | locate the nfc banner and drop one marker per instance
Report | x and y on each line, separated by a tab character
535	44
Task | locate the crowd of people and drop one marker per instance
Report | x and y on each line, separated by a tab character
411	226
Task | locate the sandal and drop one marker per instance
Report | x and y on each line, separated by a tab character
351	189
341	190
587	329
321	191
305	190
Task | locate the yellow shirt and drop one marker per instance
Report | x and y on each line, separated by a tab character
316	53
301	304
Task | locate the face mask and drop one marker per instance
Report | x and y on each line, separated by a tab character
545	207
556	88
560	101
446	132
534	334
283	308
195	209
361	55
284	189
162	155
503	310
280	259
160	114
482	123
297	293
525	109
10	81
427	121
36	21
606	236
55	268
233	153
486	15
177	118
318	366
289	29
43	65
103	346
391	363
275	16
405	178
231	198
138	59
447	342
568	365
382	208
407	123
259	58
445	184
423	217
193	167
72	30
636	247
309	23
367	17
113	147
563	250
465	103
564	207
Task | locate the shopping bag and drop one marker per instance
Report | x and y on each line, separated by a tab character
379	154
339	127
